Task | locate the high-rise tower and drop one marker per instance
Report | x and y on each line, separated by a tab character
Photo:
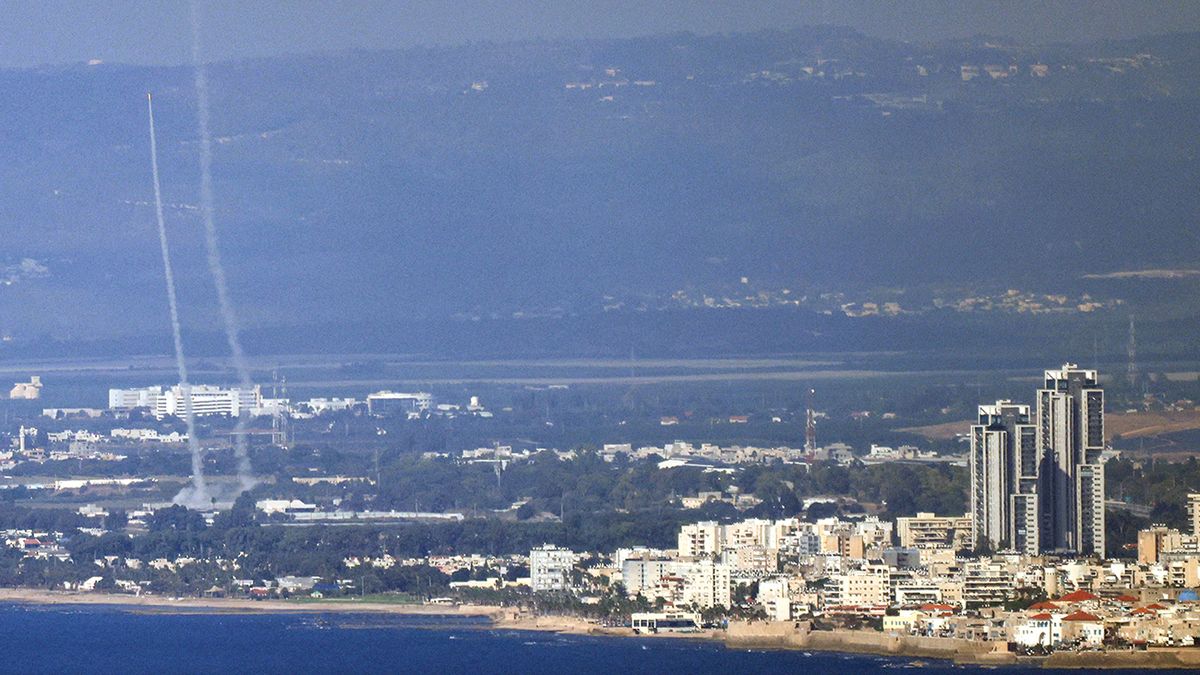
1004	471
1070	417
1037	484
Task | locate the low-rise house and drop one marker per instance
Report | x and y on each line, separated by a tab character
1083	628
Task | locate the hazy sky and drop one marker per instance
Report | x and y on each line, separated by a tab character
156	31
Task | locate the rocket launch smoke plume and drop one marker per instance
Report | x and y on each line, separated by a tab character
215	268
197	493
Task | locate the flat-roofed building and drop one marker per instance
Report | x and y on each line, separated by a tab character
130	399
208	400
550	568
928	529
387	403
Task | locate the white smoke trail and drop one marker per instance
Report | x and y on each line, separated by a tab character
215	268
197	493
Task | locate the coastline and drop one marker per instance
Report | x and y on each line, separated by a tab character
788	636
239	605
739	635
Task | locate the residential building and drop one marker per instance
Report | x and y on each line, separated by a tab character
681	583
550	568
928	529
1154	542
700	539
1071	440
867	587
986	582
706	584
1004	466
639	574
773	595
1037	481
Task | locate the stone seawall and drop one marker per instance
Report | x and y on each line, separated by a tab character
789	636
1167	657
763	635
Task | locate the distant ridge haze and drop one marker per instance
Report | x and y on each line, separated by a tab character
503	177
156	33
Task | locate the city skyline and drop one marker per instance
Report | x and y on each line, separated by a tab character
500	336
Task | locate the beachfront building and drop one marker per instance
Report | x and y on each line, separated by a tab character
703	583
550	568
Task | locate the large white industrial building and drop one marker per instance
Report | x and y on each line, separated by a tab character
205	400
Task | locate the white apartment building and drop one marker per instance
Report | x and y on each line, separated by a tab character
1193	509
752	532
634	552
550	568
789	536
147	435
639	574
700	539
705	583
797	538
867	587
774	596
752	560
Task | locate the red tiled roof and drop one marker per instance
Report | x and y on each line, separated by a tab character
937	607
1045	604
1126	598
1155	606
1142	610
1041	617
1081	616
1078	596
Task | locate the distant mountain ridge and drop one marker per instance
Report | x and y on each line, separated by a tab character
428	182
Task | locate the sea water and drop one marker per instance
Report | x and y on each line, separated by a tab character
104	639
